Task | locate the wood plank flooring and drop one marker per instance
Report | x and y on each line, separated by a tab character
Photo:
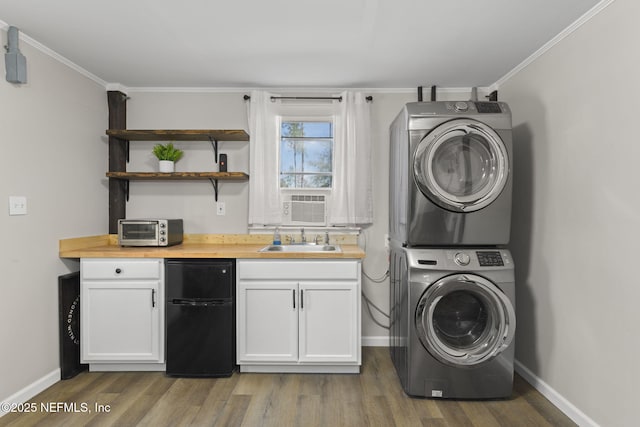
373	398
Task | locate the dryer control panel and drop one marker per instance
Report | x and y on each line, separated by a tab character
481	107
488	107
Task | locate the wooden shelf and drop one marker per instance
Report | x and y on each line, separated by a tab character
179	135
119	144
212	177
221	176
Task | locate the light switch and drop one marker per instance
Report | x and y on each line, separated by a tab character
17	205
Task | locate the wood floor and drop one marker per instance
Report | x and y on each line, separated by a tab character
373	398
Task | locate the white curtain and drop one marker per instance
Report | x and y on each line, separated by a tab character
352	196
264	194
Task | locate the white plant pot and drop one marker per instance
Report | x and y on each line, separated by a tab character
166	166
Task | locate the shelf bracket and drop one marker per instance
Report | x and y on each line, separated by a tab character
214	182
214	144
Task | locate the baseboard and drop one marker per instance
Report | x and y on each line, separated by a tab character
32	389
382	341
559	401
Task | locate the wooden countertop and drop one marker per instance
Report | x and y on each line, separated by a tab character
199	246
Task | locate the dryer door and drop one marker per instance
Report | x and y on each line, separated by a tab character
462	165
465	320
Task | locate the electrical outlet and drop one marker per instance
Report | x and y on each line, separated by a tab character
220	208
17	205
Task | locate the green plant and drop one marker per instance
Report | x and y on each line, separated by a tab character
167	152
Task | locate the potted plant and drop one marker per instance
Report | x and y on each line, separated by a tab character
167	155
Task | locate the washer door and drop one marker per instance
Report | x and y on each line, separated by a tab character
462	165
465	320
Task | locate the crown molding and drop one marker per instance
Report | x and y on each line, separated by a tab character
554	41
55	55
454	90
142	89
117	87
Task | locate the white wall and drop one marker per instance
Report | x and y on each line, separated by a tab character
576	217
53	153
193	201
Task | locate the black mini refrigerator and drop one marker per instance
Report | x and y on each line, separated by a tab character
200	316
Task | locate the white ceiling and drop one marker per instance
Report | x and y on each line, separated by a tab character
295	43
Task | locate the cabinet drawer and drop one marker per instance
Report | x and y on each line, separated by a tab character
115	268
297	270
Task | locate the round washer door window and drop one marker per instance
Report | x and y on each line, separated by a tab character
465	320
462	165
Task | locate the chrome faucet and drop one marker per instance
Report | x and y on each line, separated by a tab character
303	238
326	237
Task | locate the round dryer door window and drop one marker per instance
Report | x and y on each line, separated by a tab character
464	320
462	165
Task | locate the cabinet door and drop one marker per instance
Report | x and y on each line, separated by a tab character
121	321
267	323
329	326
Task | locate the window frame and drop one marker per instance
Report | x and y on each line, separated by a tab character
324	118
311	111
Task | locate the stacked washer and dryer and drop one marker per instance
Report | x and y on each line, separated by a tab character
452	281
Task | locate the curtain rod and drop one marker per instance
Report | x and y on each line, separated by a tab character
338	98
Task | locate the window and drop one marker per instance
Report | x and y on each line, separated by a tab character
306	154
310	156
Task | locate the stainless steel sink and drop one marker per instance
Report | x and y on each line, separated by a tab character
307	247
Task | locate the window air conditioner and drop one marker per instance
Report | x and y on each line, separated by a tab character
304	209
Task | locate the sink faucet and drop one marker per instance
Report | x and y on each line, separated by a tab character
326	237
303	238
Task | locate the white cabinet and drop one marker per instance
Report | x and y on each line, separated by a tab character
267	321
122	314
328	326
298	315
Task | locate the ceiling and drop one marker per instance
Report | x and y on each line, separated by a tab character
294	43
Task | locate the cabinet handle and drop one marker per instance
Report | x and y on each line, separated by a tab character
153	297
301	299
118	270
293	292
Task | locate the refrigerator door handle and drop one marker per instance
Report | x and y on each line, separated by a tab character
192	302
180	301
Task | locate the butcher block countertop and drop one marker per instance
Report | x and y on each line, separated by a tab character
201	246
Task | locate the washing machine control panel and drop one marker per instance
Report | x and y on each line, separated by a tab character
490	259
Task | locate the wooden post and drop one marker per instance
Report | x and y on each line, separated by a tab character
118	150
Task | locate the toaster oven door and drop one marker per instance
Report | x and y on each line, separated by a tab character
138	233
